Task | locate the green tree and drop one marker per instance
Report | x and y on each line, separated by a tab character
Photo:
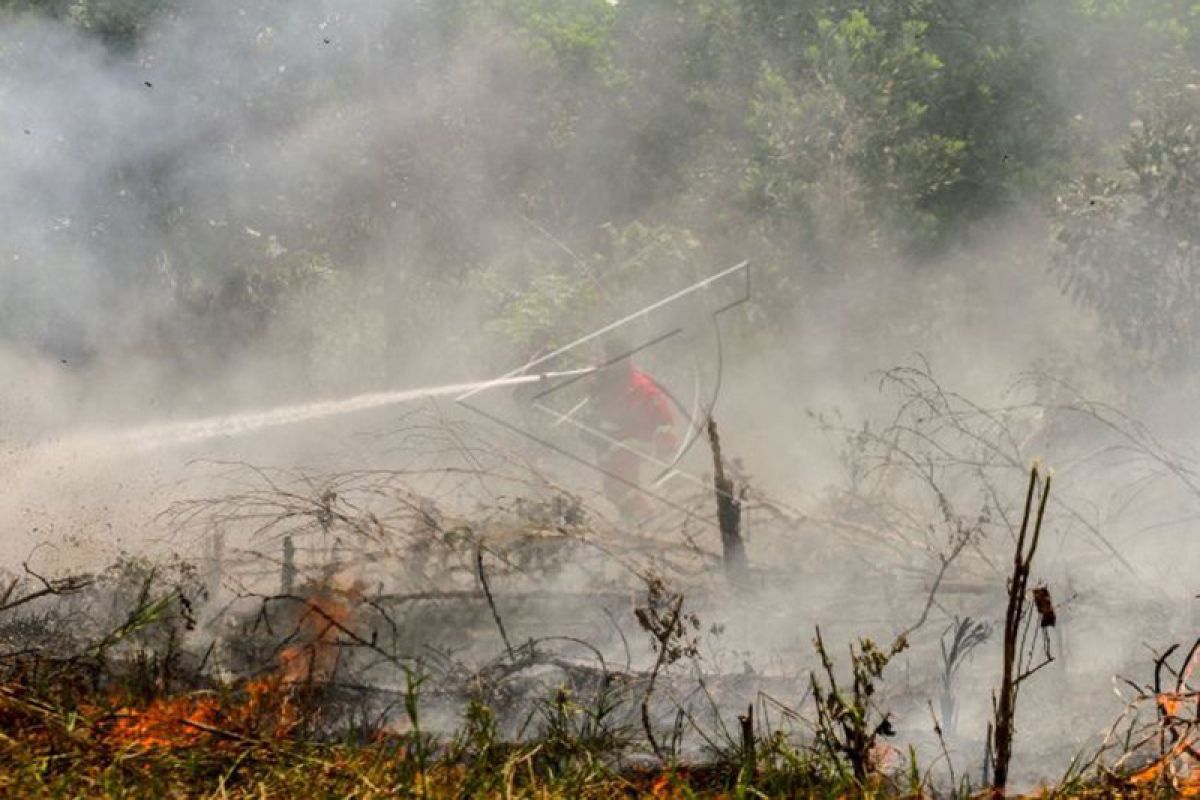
1129	245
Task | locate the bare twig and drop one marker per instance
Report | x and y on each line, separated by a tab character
483	582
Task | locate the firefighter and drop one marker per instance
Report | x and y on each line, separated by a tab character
630	415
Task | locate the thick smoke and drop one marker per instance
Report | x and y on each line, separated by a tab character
166	207
253	205
246	205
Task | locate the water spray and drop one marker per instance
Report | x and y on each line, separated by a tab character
175	434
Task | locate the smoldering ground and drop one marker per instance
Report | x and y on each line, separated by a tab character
248	208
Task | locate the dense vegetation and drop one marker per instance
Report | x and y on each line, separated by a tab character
491	149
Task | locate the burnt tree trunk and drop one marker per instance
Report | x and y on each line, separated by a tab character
729	513
749	755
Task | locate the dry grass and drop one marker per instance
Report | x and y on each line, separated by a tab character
318	689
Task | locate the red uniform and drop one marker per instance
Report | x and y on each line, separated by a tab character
630	408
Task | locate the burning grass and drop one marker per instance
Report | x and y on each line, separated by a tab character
466	628
244	742
120	716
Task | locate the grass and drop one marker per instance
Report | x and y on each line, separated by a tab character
254	740
244	743
140	717
141	712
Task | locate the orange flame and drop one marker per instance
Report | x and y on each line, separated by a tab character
265	710
262	709
314	657
167	722
662	788
1180	764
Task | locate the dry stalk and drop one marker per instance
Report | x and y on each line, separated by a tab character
1016	666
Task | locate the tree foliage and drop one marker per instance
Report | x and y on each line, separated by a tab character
802	135
1130	245
1127	241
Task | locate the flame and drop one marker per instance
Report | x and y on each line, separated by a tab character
314	656
253	711
662	787
1181	764
167	722
264	710
1181	759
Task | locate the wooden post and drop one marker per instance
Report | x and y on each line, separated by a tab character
729	513
749	757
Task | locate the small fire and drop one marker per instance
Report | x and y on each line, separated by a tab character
167	722
663	788
1180	764
313	658
262	710
269	708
